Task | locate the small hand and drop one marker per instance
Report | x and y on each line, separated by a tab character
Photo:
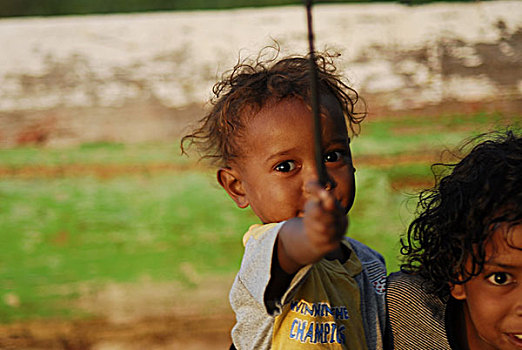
306	240
325	221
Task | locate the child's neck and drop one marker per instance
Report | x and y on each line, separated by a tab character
460	324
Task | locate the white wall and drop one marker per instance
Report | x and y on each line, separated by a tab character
400	57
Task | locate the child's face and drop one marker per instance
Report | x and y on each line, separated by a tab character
277	160
493	299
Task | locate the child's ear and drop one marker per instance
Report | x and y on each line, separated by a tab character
458	291
230	180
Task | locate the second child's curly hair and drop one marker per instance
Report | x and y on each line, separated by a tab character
457	217
245	89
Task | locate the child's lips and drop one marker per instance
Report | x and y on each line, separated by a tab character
515	338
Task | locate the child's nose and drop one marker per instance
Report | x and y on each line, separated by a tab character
309	175
518	303
330	184
312	175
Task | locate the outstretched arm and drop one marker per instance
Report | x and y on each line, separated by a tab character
306	240
303	241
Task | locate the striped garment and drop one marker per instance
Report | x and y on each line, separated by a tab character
417	319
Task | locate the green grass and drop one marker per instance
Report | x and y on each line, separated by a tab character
411	134
58	232
94	153
65	236
78	7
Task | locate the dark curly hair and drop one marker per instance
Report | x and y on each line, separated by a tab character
245	89
456	218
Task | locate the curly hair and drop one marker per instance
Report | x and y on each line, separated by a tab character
446	241
246	88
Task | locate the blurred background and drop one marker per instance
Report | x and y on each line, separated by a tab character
110	239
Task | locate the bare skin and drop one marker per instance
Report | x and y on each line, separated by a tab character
492	301
304	241
276	176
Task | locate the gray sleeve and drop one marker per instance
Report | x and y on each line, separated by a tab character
254	324
253	328
254	272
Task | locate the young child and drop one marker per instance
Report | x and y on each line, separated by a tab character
461	285
301	284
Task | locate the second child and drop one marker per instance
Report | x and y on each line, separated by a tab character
461	285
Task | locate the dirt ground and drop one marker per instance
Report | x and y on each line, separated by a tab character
157	333
135	316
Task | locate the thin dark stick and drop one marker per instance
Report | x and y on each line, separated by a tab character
321	171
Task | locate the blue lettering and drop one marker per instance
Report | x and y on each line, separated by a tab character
314	332
326	332
308	310
301	308
310	333
332	339
326	310
338	313
295	322
340	334
300	330
319	333
317	309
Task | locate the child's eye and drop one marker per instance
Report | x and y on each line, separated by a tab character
285	166
499	278
334	156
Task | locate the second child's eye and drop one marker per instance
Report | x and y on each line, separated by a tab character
499	278
285	166
334	156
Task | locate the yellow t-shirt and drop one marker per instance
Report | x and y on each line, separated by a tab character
325	311
321	308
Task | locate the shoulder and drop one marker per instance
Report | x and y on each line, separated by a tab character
256	263
373	265
416	317
259	231
365	253
408	290
408	282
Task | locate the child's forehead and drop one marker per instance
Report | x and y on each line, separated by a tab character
288	126
330	108
505	245
512	234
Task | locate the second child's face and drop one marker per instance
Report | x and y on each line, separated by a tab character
277	159
493	299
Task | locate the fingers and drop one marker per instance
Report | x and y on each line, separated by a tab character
320	195
324	215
